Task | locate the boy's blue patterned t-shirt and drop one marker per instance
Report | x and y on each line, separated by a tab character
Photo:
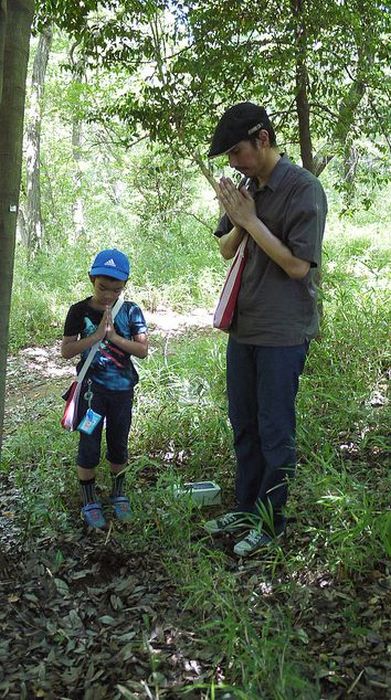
111	367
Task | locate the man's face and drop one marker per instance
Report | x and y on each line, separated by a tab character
247	158
106	290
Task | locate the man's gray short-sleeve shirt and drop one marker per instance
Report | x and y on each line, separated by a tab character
272	308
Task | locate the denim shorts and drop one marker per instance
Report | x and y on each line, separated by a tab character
116	408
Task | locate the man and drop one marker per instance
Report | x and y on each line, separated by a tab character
283	209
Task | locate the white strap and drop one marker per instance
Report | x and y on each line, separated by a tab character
95	347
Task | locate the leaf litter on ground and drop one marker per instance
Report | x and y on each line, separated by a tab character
99	622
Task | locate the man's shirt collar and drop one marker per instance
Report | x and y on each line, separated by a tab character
276	176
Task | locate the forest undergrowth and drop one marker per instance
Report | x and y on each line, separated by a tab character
157	609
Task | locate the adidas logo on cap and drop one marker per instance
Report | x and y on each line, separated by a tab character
110	263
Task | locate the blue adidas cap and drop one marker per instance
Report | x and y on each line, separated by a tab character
111	263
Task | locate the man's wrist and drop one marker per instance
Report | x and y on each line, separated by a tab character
250	222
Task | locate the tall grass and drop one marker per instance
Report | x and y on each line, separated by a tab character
339	498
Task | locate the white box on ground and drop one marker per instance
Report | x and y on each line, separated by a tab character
204	493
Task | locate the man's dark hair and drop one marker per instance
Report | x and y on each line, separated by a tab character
272	136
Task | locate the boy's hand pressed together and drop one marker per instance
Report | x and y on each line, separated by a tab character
101	330
109	327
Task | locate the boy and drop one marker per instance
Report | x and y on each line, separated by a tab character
108	387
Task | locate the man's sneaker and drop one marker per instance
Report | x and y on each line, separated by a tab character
230	522
93	515
121	505
254	541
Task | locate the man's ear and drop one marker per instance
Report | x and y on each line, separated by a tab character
263	138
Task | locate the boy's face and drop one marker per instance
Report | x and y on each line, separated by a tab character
106	290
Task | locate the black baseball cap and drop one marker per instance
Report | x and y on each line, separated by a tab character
238	123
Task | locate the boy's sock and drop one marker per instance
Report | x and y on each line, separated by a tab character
117	484
88	491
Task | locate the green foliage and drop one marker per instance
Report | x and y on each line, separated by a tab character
177	66
153	185
173	266
180	432
72	16
44	480
151	205
383	526
210	54
165	189
43	291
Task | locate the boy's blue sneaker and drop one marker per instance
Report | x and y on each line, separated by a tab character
121	505
93	515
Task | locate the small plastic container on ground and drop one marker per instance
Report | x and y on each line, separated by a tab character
204	493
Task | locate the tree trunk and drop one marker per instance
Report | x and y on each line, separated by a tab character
350	103
303	114
3	24
78	73
16	17
301	78
21	230
78	205
346	115
33	144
